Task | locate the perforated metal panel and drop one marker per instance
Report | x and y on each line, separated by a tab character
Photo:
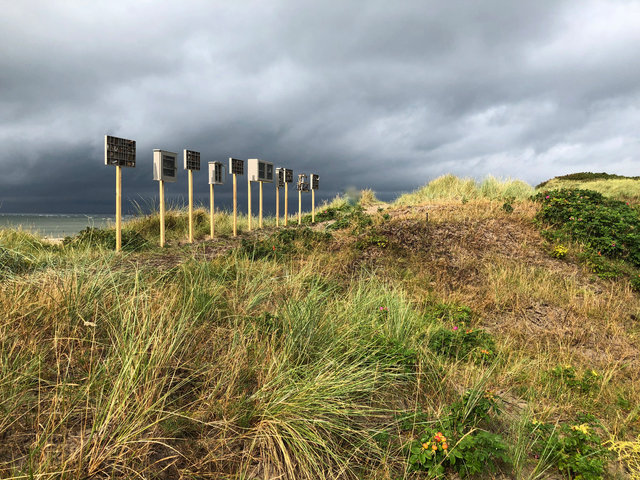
236	166
165	165
280	177
119	151
314	180
216	176
191	160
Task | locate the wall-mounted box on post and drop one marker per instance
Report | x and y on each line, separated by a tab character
165	165
260	171
216	176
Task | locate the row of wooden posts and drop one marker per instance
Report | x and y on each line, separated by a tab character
121	153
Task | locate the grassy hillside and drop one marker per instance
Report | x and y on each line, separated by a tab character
346	349
614	186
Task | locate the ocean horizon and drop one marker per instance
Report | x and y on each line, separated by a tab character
54	225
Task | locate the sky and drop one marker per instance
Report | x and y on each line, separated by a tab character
367	94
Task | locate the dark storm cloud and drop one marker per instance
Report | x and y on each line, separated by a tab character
370	94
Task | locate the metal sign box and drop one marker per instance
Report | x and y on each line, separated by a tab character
191	160
260	171
288	175
280	173
236	166
119	151
215	173
165	165
314	180
303	184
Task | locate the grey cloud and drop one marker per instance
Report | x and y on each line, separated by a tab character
371	94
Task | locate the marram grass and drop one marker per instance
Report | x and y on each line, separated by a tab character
450	187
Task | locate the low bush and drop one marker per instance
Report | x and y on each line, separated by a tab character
460	440
610	228
462	343
106	238
574	448
283	243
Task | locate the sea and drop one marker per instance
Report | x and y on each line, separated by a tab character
54	225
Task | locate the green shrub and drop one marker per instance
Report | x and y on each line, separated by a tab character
14	262
586	177
610	228
450	312
574	448
566	375
458	442
106	238
283	243
462	343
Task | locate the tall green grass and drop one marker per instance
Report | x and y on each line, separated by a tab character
225	367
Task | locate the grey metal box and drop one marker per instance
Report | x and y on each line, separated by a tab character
165	165
314	180
215	173
260	171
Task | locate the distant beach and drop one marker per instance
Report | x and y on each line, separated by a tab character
54	225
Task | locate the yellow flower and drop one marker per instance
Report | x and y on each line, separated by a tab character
584	428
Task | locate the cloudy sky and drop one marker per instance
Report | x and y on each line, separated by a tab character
368	94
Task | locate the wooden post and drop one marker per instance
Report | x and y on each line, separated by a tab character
190	206
249	202
277	206
118	208
161	183
235	207
260	208
313	206
299	207
286	203
211	208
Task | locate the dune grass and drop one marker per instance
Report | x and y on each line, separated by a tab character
450	187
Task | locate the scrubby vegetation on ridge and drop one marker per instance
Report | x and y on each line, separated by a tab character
379	343
616	187
585	177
